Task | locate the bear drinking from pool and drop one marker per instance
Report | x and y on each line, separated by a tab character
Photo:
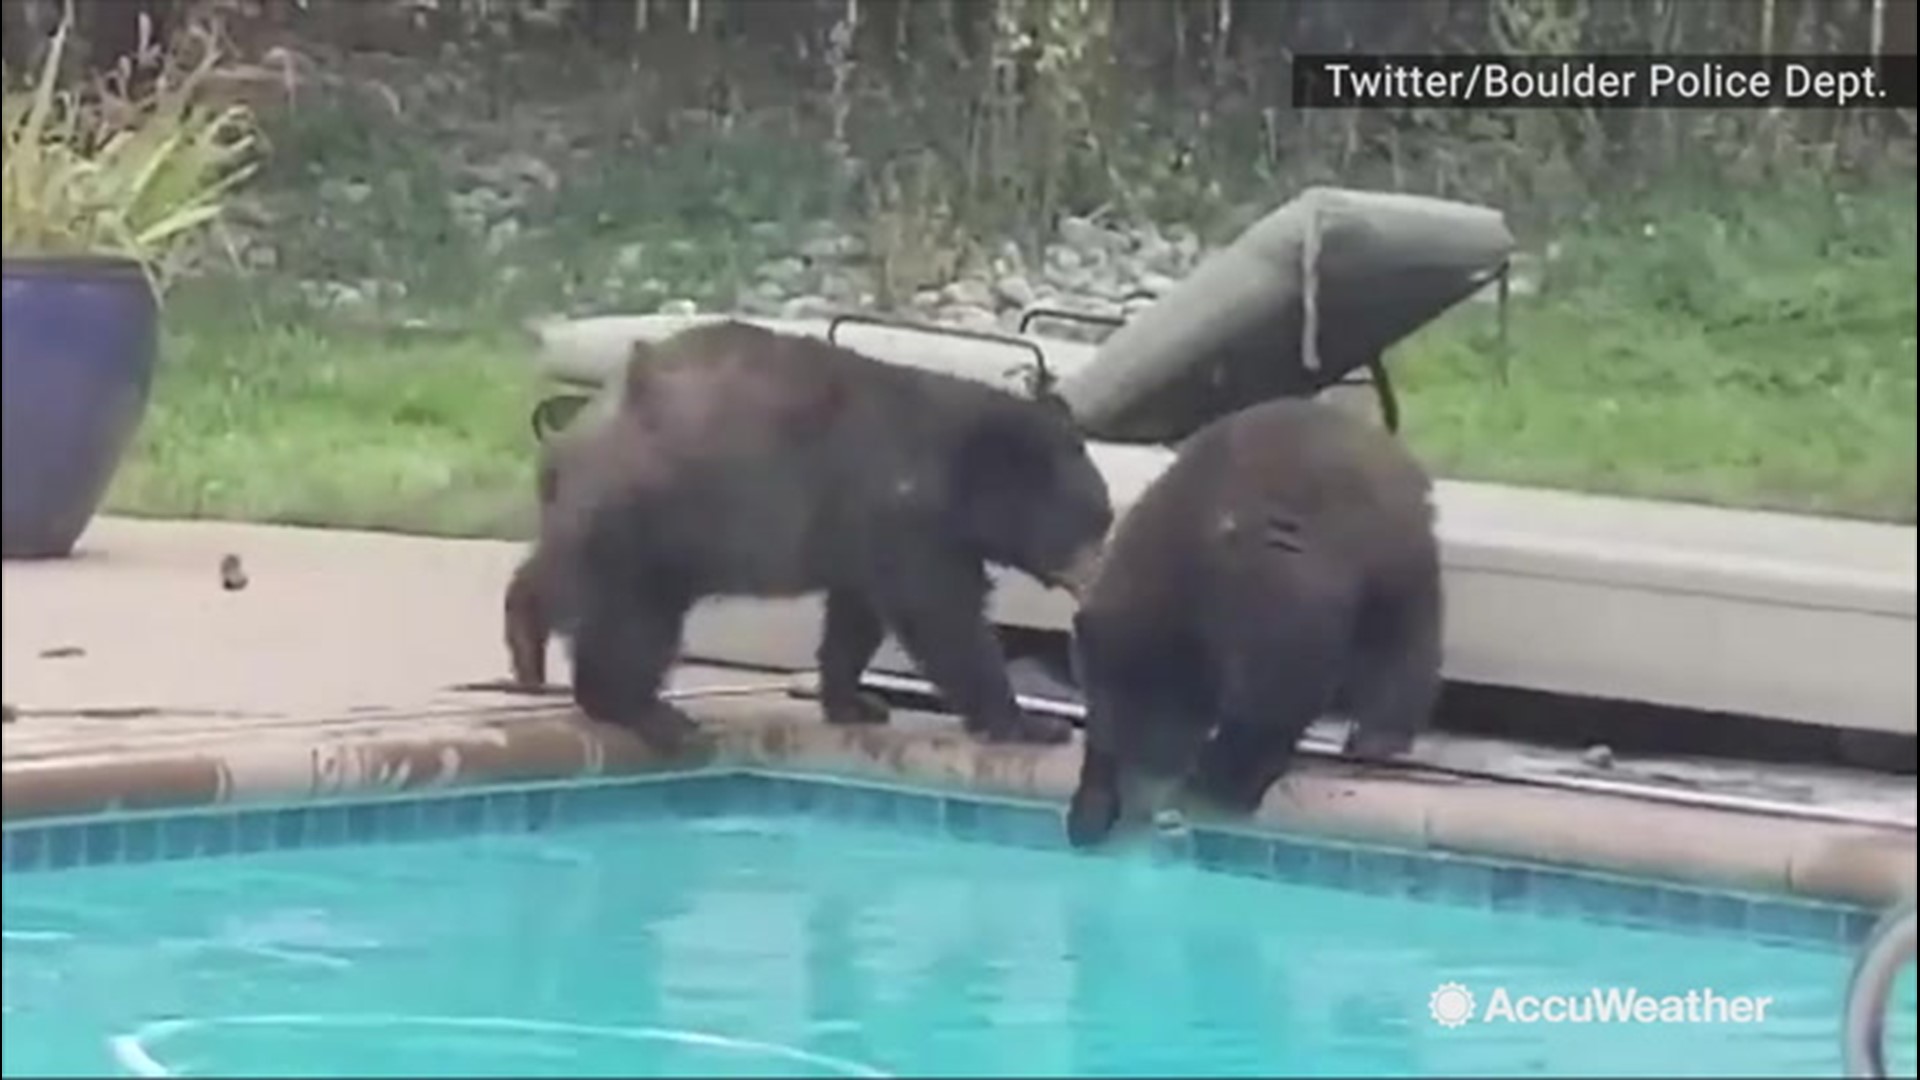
1284	567
741	462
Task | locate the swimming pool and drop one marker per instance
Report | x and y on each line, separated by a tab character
746	925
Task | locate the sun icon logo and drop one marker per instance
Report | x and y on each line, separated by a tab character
1451	1005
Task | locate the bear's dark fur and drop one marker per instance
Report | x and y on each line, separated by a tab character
535	603
745	463
1284	567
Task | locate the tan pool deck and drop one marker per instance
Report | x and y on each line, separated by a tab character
134	679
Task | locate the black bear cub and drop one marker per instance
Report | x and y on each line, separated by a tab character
742	462
1284	567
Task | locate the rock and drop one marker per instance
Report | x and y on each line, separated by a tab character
1084	236
350	192
1014	290
808	307
1186	245
501	235
764	298
334	294
630	256
768	232
1156	283
832	248
1598	756
788	271
841	288
968	292
1060	257
679	306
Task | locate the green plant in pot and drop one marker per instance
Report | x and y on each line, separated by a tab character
104	185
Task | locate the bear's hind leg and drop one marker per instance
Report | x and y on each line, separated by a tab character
1275	681
1393	681
621	654
852	633
528	624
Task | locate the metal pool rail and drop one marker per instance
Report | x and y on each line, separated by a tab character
1888	948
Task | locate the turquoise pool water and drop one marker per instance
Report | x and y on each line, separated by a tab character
762	946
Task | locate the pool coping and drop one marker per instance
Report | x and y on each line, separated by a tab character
1859	865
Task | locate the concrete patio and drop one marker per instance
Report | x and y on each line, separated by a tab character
135	678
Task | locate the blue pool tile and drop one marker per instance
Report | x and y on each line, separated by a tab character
1331	867
761	795
399	821
66	847
1784	921
1031	827
1509	888
180	836
363	823
540	809
1555	892
219	838
1726	913
466	814
1388	873
28	850
1619	902
503	812
1291	861
103	841
1855	925
1453	880
253	831
1233	852
1683	908
593	805
797	796
289	828
326	825
433	818
908	810
856	805
139	840
962	817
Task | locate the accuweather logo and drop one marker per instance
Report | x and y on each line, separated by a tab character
1453	1005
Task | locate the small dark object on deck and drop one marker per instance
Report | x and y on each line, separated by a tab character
509	686
62	652
8	714
233	576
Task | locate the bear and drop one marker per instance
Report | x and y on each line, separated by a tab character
741	462
1283	567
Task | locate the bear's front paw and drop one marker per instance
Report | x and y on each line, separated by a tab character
1021	727
855	709
1091	816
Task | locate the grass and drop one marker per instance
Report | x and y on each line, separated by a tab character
1759	352
1751	349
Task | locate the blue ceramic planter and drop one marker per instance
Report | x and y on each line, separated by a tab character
80	337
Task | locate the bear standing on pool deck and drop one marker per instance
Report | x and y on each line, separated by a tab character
1282	568
742	462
